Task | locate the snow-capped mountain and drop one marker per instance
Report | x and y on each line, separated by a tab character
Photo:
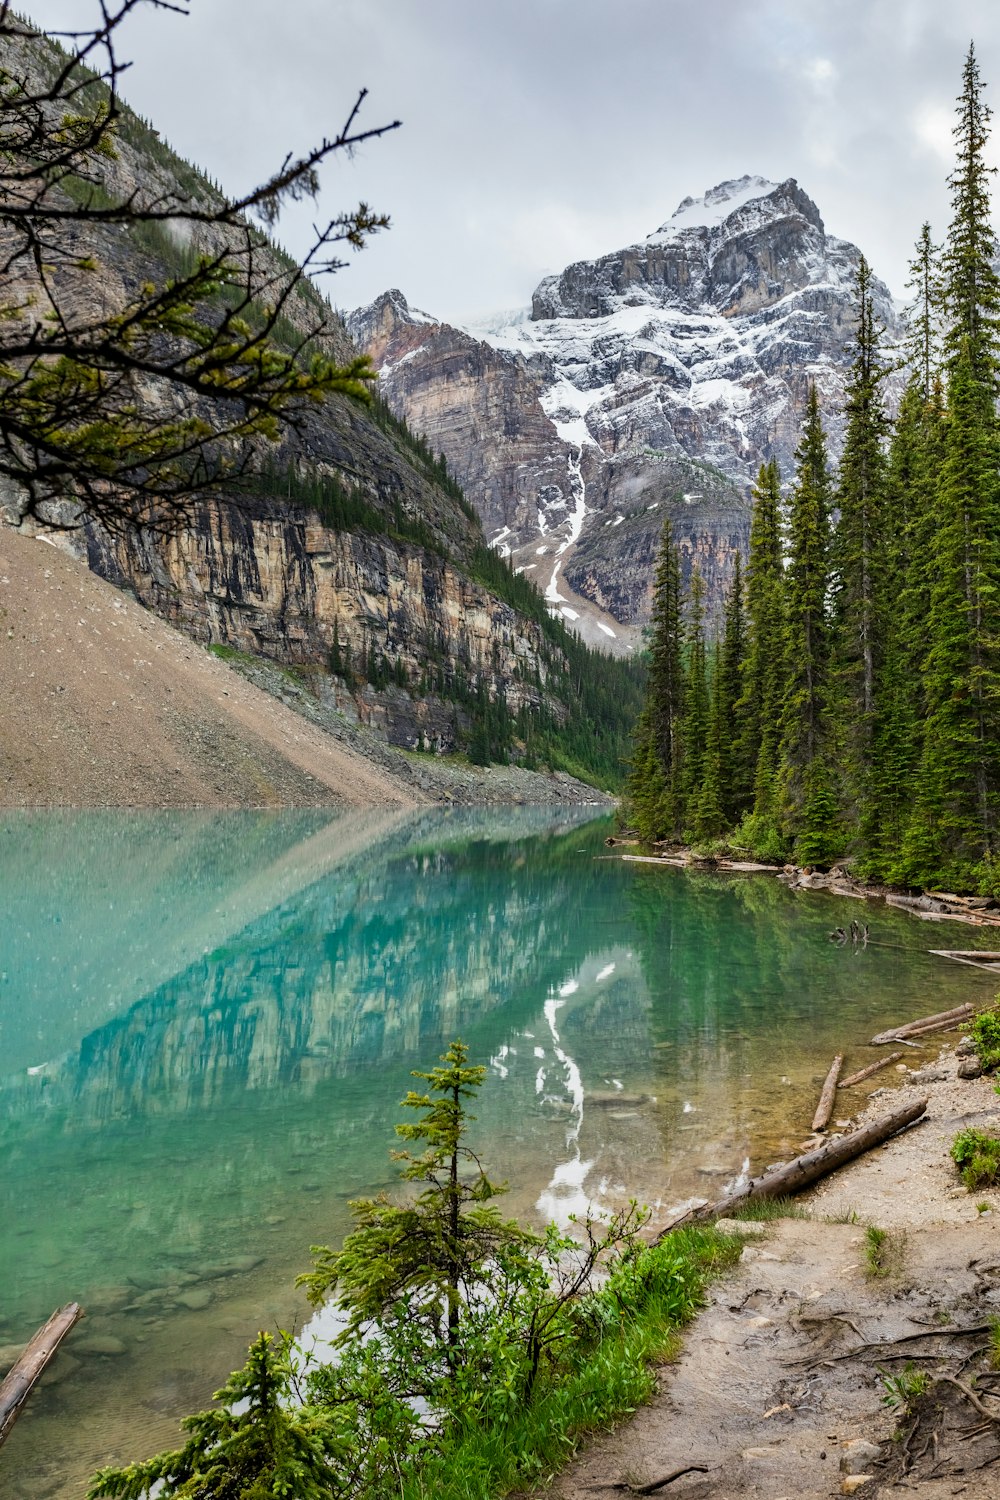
655	378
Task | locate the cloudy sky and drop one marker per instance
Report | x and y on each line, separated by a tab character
538	132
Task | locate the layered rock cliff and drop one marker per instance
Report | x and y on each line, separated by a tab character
695	347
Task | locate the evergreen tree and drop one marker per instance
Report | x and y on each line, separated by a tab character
652	792
954	824
804	795
694	735
757	733
912	476
729	671
859	549
970	285
924	314
708	817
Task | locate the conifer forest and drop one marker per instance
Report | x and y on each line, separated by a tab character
850	707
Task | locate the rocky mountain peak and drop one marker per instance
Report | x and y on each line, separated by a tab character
743	245
653	380
383	321
743	200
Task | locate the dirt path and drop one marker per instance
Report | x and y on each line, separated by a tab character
763	1395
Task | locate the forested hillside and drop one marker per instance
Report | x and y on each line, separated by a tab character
852	707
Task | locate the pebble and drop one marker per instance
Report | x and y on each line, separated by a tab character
854	1482
859	1456
748	1228
104	1344
197	1300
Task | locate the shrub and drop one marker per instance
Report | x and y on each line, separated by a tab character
985	1033
976	1153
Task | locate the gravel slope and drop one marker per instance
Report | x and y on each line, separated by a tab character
103	704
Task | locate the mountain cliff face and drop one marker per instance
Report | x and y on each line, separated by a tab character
654	380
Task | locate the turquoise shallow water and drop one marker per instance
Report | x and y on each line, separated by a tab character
207	1021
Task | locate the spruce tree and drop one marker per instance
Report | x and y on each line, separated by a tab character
860	552
729	671
952	834
694	735
923	338
708	817
652	791
804	794
757	731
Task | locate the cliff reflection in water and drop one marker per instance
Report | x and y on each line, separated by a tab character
281	1053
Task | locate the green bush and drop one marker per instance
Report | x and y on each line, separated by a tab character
976	1153
985	1032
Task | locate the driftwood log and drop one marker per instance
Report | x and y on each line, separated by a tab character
870	1071
791	1178
19	1382
824	1108
944	1020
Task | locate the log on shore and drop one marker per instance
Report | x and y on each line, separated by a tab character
783	1182
18	1385
870	1071
944	1020
824	1108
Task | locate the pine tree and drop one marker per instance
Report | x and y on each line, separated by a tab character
694	736
757	733
652	791
729	671
970	285
859	550
954	824
912	477
923	341
708	818
804	795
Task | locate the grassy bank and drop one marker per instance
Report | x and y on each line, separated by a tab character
626	1329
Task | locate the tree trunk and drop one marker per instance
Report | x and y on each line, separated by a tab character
783	1181
824	1108
872	1068
944	1020
18	1384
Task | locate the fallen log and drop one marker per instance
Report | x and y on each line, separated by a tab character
870	1071
942	1021
824	1108
784	1181
39	1353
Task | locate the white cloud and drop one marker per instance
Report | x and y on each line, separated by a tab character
932	125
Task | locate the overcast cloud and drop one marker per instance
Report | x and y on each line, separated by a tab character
537	132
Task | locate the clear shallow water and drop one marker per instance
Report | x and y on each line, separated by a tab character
207	1021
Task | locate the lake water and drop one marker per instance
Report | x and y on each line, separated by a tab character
207	1022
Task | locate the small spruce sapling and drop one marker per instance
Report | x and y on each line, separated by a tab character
433	1253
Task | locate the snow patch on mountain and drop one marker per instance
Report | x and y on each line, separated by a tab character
715	206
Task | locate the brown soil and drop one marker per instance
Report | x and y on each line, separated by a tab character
774	1382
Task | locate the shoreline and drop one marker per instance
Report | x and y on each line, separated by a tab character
929	906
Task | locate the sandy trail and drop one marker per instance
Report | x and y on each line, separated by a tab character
83	667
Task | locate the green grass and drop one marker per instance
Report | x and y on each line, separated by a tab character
976	1153
902	1389
878	1244
606	1382
765	1210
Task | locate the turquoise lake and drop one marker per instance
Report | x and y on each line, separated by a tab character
207	1021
